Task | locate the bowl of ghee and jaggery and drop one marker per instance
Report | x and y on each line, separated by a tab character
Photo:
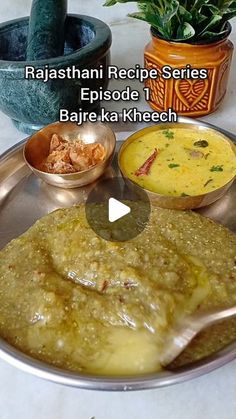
70	156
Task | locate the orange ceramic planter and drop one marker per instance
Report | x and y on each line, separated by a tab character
189	97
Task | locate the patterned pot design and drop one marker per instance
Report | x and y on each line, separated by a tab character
193	97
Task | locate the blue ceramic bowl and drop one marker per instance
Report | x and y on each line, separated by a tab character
32	104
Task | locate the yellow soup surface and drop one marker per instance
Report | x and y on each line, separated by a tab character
188	161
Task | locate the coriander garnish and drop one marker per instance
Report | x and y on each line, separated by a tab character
168	134
173	165
218	168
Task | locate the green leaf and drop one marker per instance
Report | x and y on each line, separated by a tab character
184	14
138	15
198	18
226	7
181	20
113	2
171	11
218	168
173	165
214	19
185	31
142	7
212	8
110	3
198	4
157	22
161	15
228	16
212	35
169	134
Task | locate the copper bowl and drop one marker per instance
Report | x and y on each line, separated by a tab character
178	202
37	149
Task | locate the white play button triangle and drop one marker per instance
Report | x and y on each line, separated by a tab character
117	210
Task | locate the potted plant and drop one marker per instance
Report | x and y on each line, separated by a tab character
187	33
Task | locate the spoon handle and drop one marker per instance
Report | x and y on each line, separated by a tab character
185	332
208	319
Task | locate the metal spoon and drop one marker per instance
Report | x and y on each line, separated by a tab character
188	328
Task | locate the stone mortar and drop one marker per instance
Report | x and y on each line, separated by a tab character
32	104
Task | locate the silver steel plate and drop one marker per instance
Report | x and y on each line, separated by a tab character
25	198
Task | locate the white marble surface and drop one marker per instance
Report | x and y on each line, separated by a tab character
23	396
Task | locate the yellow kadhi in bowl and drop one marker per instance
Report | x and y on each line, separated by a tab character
180	165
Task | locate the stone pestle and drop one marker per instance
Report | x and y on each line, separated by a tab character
46	29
